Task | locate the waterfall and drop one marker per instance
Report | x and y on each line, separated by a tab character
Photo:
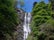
26	26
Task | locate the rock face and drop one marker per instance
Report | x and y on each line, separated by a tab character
21	15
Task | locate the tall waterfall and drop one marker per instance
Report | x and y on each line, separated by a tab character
26	26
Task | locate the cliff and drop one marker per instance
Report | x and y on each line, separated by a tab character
21	14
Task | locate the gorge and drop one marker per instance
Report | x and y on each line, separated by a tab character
24	27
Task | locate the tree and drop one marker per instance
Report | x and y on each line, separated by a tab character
41	13
8	18
52	3
34	3
46	30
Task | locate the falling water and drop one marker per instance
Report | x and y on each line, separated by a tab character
26	26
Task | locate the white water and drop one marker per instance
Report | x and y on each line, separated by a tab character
26	26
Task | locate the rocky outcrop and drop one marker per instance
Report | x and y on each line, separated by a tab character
21	14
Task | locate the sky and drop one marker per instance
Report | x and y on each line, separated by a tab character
28	4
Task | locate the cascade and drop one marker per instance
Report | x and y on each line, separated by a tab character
26	26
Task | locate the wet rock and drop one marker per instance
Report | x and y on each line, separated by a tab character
21	15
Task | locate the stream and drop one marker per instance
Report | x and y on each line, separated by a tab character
26	26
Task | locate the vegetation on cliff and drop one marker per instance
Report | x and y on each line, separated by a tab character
42	22
8	19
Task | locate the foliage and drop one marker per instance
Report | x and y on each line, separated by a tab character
41	13
47	29
8	18
52	4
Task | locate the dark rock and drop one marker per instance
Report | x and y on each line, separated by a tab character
21	15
